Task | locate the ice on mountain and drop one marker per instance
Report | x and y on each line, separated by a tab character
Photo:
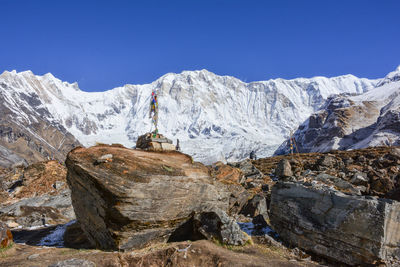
211	115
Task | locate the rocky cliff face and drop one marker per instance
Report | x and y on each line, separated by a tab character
214	117
353	121
28	131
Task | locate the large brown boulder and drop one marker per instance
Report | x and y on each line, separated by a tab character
134	198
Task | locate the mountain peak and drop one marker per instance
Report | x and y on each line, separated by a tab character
393	76
6	72
48	76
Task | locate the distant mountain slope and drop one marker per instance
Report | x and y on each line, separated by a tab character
28	132
353	121
214	117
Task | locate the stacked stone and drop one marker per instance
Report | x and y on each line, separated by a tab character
154	142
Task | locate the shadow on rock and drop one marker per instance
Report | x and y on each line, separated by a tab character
67	235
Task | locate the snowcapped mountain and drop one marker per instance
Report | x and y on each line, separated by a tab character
214	117
353	121
28	131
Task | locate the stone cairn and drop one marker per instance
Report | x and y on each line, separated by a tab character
154	141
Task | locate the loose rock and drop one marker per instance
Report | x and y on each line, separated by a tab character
6	237
73	263
283	169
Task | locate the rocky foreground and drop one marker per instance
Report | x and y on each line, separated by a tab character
340	205
139	208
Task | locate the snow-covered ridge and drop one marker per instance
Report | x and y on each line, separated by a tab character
353	121
214	117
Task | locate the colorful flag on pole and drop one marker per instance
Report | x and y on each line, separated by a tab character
154	111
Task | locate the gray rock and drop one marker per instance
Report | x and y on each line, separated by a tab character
73	263
396	152
283	169
30	212
9	159
306	172
347	228
33	256
359	178
326	162
238	198
215	224
338	182
256	206
248	169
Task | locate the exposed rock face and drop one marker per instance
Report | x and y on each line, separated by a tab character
248	116
29	133
139	197
9	158
353	121
35	195
348	228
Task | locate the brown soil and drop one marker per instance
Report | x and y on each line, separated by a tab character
198	253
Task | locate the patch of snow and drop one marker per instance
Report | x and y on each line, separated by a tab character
250	229
56	238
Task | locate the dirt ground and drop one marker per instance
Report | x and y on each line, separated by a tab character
198	253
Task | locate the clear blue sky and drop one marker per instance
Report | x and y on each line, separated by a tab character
105	44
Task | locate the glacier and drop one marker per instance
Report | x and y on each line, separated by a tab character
215	118
350	121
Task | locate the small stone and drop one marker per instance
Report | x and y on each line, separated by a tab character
362	188
359	178
73	263
284	169
12	224
104	158
33	256
326	161
256	206
6	237
167	147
